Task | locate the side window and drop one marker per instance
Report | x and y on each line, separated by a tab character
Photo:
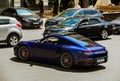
84	22
9	12
5	12
93	21
80	13
90	12
51	40
4	21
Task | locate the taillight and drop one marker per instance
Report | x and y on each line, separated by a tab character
19	25
113	25
102	17
103	48
86	52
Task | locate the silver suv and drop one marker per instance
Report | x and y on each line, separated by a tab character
10	30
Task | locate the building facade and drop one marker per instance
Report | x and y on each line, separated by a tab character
48	4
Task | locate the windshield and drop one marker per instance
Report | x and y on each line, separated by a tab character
70	22
67	13
24	12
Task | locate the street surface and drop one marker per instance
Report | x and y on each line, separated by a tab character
12	69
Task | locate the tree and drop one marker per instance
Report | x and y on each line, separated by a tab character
71	4
41	8
55	7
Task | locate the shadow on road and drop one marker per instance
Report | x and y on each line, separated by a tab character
4	46
116	34
98	39
31	28
82	69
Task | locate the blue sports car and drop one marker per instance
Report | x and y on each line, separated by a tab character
67	50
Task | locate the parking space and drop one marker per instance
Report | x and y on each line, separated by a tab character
12	69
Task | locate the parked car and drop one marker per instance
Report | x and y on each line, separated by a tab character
10	30
66	50
24	15
89	27
116	22
73	12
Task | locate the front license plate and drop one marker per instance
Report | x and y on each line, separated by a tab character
36	23
100	60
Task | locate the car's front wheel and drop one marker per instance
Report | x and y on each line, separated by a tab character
66	60
12	40
23	53
104	34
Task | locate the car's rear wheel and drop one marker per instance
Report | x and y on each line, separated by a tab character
23	53
12	40
104	34
66	60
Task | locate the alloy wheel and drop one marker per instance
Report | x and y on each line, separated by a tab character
23	53
66	60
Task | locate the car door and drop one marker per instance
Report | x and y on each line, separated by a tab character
83	28
95	26
47	49
4	27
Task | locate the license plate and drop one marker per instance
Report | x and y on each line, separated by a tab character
36	23
100	60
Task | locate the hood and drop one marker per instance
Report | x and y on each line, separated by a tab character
59	29
31	18
55	19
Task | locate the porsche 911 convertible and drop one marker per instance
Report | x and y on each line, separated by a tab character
67	50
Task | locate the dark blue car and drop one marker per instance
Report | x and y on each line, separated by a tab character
67	50
88	27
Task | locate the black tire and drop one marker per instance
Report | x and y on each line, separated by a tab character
12	40
23	53
104	34
66	60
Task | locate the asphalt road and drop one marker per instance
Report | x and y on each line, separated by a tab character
12	69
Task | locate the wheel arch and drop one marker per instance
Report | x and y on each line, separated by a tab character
60	52
24	46
13	34
59	59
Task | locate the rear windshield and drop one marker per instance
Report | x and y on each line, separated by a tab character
4	21
84	41
13	21
67	13
90	12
